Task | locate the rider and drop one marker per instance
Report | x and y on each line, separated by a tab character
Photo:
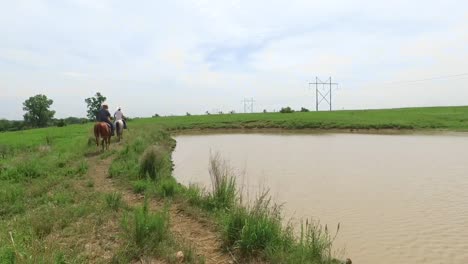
104	116
118	115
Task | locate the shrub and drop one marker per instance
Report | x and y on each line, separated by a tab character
303	109
61	123
155	163
286	110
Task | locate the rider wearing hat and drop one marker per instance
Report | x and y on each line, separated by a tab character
104	116
118	115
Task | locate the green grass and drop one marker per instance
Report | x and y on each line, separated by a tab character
114	201
45	190
257	230
147	234
425	118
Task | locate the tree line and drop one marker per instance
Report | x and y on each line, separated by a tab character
38	114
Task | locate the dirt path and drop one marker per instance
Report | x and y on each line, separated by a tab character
199	233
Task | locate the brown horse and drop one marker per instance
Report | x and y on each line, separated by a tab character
102	130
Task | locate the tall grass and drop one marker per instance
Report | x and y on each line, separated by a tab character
114	200
155	163
223	182
150	228
256	229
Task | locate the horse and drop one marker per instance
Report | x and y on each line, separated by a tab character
102	130
119	127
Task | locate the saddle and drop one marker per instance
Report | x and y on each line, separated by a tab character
108	125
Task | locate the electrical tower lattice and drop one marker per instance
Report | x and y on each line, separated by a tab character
323	92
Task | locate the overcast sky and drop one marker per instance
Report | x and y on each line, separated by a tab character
172	57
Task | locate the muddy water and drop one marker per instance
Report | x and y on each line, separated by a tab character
399	198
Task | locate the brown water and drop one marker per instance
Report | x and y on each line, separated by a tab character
399	198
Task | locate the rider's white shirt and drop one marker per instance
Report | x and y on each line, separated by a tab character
118	115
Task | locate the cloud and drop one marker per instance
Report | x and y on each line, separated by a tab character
197	55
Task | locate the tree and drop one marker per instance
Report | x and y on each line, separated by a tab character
38	113
303	109
94	104
60	123
286	110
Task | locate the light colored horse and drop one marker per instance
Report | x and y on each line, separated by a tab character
119	127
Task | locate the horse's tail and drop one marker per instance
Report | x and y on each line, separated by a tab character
117	126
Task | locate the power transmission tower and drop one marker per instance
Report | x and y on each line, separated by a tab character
322	92
248	105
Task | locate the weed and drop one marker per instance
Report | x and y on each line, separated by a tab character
224	193
42	223
167	187
5	150
150	228
59	258
89	184
194	195
140	186
11	199
155	163
82	168
62	198
91	141
114	200
7	255
28	169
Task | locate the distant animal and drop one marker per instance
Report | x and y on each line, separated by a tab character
119	127
102	130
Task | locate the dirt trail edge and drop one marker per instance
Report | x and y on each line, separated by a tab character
201	236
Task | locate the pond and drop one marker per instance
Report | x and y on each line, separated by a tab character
398	198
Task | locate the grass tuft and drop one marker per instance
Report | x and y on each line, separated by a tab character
140	186
114	200
150	228
155	163
223	181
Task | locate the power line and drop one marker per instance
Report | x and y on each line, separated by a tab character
429	79
448	77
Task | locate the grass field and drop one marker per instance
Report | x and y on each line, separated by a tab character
52	207
444	118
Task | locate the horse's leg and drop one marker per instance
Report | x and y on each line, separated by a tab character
96	135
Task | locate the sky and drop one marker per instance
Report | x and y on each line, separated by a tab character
173	57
